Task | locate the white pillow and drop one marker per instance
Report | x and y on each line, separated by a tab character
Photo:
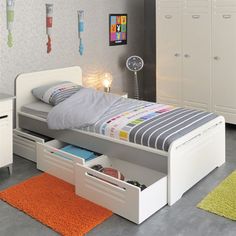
56	93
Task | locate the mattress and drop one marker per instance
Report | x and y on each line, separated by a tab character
39	109
148	124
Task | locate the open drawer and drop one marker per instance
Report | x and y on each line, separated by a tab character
24	143
119	196
56	162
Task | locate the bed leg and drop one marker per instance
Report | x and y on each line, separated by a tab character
220	164
222	159
10	169
173	199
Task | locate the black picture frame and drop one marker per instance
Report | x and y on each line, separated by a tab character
119	34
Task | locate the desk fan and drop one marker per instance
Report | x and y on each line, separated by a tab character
135	64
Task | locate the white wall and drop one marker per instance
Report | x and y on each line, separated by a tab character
29	50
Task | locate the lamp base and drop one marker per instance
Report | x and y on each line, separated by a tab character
107	89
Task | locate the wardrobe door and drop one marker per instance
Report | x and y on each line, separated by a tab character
224	59
197	54
169	51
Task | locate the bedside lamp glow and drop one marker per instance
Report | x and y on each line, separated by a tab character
107	81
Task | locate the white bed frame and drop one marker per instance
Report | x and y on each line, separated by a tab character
189	158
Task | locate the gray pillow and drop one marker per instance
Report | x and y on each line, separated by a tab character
56	93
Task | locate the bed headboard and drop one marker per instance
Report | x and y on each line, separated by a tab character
24	83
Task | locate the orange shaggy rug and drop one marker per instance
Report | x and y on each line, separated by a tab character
54	203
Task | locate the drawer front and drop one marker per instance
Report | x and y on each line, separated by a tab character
6	139
24	134
120	197
54	164
24	147
24	144
58	163
6	119
6	105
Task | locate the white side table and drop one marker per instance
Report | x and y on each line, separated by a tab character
122	94
6	131
119	93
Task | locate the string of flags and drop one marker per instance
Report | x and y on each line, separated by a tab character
49	18
10	8
10	19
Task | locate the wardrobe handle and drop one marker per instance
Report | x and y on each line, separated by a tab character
3	117
217	58
226	16
195	16
187	56
177	54
168	16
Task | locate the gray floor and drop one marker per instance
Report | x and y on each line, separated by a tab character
181	219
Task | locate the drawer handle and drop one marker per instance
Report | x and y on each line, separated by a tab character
212	127
107	179
28	136
187	56
23	137
106	182
3	117
189	141
226	16
195	16
168	16
62	154
58	153
216	58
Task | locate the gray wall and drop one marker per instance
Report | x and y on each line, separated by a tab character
149	80
29	51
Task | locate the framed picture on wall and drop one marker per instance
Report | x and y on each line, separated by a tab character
118	29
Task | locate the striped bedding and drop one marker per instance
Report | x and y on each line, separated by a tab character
149	124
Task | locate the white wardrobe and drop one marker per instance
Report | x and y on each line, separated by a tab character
196	55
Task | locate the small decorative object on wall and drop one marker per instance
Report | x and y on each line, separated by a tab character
80	31
107	81
118	29
10	19
49	18
135	64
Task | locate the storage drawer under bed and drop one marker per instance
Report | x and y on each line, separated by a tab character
119	196
24	143
56	162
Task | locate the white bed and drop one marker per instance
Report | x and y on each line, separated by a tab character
188	160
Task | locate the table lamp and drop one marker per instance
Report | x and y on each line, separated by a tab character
107	81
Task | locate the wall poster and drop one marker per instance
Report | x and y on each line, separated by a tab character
118	29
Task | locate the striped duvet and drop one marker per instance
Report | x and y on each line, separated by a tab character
149	124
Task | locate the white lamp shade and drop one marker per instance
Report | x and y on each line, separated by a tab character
107	80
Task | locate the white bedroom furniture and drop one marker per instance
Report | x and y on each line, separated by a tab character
168	174
119	93
120	197
196	54
25	143
224	55
57	162
6	110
